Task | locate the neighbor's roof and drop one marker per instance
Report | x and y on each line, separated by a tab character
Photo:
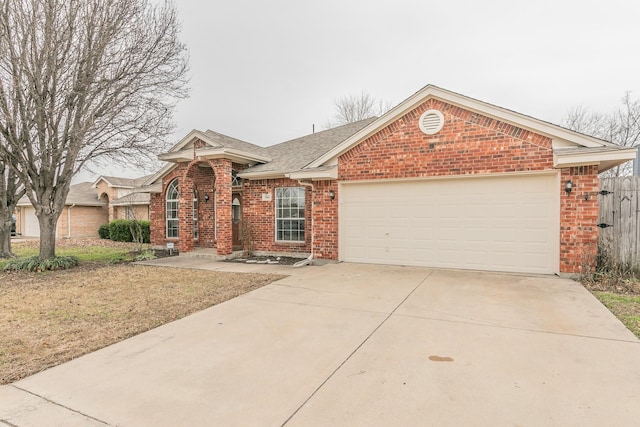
132	199
116	181
82	194
296	154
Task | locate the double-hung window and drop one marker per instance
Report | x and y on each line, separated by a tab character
290	214
172	209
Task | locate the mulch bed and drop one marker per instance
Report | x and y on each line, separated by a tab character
281	260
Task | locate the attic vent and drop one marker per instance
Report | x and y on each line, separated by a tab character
431	122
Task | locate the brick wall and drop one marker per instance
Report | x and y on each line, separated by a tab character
467	144
261	215
107	194
85	221
578	219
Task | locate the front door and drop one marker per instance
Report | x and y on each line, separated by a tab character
236	219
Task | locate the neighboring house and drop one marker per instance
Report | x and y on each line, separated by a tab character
441	180
82	215
123	197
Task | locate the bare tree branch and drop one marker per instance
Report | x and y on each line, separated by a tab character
84	80
621	126
353	108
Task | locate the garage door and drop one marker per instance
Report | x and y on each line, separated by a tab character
507	223
31	225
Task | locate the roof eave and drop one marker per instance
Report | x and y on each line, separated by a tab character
264	175
237	156
314	175
605	160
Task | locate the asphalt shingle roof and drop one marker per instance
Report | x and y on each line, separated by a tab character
117	181
297	153
82	194
236	144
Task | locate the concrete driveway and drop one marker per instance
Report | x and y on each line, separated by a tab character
358	345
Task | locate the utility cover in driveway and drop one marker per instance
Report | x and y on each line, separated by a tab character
506	223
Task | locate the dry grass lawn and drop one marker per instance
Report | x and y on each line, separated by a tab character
49	318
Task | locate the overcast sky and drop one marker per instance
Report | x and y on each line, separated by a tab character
265	72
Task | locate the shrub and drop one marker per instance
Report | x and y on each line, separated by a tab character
104	232
34	264
120	230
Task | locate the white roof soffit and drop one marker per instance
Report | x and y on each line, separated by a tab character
605	159
529	123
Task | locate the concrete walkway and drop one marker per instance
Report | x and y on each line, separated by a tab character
358	345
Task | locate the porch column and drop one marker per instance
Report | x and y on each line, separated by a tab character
222	171
185	214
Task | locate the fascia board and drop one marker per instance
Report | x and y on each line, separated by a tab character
263	175
315	175
161	173
213	153
177	156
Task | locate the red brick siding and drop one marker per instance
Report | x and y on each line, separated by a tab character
325	217
467	144
261	215
578	219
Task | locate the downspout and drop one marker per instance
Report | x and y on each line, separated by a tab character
69	221
309	260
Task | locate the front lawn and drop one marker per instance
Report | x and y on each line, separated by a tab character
51	317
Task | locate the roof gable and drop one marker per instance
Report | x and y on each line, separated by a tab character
560	136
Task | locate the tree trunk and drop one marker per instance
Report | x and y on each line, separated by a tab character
48	224
5	237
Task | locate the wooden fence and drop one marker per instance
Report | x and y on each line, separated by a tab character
619	217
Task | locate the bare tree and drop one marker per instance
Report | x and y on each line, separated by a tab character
353	108
84	81
621	126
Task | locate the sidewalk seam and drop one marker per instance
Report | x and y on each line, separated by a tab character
355	350
60	405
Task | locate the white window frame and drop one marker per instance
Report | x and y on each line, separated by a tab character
176	217
295	213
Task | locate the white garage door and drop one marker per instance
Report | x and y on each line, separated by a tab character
507	223
31	225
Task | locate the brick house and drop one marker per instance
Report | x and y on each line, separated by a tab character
82	215
123	197
90	205
441	180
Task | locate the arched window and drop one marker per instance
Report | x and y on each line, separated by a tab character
172	209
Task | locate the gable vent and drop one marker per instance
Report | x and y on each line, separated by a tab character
431	122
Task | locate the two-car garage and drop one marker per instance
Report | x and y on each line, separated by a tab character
506	222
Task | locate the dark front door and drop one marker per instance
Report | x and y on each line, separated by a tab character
236	220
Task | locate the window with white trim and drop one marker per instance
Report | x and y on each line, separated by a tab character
290	214
172	209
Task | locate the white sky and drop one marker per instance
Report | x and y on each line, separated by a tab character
265	72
